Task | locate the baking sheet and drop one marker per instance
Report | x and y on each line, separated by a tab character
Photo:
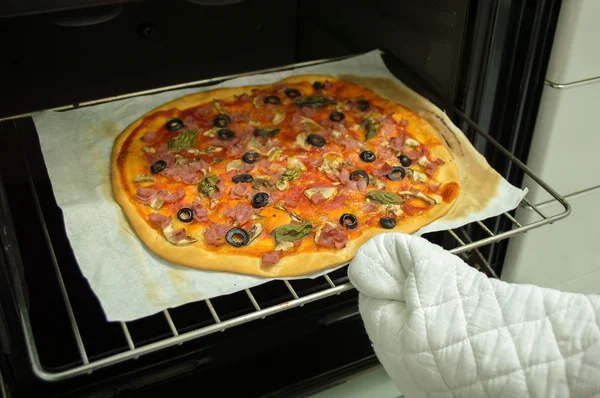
130	281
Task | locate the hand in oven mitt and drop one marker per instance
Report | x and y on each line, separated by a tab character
441	328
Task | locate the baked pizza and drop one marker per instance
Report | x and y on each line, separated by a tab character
282	179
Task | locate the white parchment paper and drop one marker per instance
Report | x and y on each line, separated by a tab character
130	281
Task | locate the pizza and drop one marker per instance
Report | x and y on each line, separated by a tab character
281	179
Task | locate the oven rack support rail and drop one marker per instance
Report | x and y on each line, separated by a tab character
464	244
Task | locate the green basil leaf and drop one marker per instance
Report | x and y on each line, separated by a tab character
266	132
290	175
292	232
385	198
184	140
370	127
314	102
208	185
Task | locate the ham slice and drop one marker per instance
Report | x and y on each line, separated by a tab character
240	191
384	152
349	143
382	171
362	184
332	237
414	154
272	258
397	142
200	212
171	197
162	153
215	234
150	137
318	198
239	116
145	195
159	220
187	173
241	213
179	235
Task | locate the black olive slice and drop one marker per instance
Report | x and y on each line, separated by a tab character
316	140
397	173
387	222
318	86
185	215
273	100
158	166
226	134
359	173
292	92
367	156
259	200
242	178
349	221
362	105
337	116
174	124
237	237
404	160
221	120
250	157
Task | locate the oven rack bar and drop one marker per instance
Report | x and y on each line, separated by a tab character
464	244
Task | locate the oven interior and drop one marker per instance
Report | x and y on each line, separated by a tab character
65	58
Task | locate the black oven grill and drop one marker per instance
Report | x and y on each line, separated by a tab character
251	304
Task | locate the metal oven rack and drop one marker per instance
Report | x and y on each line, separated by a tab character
87	364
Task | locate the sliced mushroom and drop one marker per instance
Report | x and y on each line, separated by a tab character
423	161
254	232
292	215
260	182
234	165
284	246
301	141
336	134
180	160
148	149
144	178
327	192
293	163
411	142
213	203
256	146
415	175
212	132
331	161
274	153
257	102
254	123
376	182
282	184
157	203
320	227
168	232
210	149
395	209
279	116
311	124
419	195
217	106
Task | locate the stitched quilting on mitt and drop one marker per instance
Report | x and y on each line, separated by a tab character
441	328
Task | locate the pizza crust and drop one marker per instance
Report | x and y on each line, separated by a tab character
197	256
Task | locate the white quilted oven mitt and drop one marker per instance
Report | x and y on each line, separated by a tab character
440	328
